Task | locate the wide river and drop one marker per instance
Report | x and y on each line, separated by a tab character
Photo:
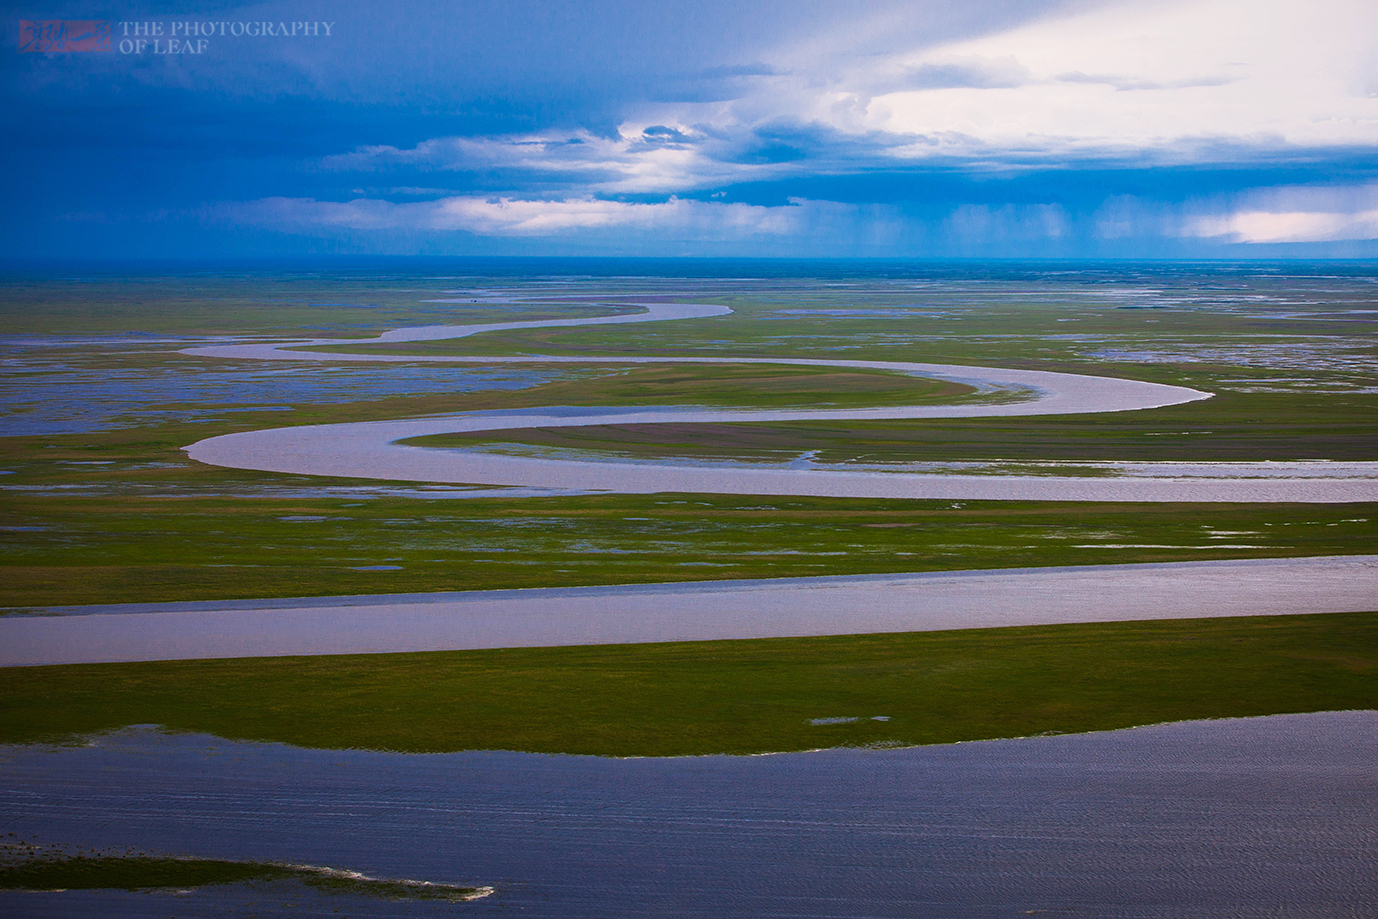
1265	817
690	611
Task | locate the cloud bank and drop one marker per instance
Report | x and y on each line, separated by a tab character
1132	127
535	218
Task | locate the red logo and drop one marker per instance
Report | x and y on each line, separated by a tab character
64	35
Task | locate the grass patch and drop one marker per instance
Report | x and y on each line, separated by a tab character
728	696
115	872
1242	427
310	304
60	872
757	386
57	550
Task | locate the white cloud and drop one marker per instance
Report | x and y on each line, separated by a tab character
1240	70
1176	80
642	158
1157	81
534	218
1295	214
1289	227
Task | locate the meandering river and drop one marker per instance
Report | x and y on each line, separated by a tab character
371	450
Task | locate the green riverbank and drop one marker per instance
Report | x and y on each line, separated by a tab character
731	696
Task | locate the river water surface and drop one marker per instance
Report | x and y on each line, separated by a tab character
1242	818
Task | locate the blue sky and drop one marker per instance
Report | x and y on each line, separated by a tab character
1209	128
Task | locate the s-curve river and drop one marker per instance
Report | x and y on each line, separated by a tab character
370	450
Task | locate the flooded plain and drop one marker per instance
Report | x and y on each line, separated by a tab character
1244	818
75	385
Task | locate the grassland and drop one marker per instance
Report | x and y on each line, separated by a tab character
40	870
1061	330
130	872
110	510
304	304
124	516
728	697
118	513
70	550
752	386
1231	426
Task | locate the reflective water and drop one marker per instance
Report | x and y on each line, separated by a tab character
94	385
1243	818
689	611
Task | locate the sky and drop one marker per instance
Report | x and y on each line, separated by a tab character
808	128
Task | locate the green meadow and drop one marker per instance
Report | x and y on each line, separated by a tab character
124	516
59	870
728	696
1229	427
68	550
